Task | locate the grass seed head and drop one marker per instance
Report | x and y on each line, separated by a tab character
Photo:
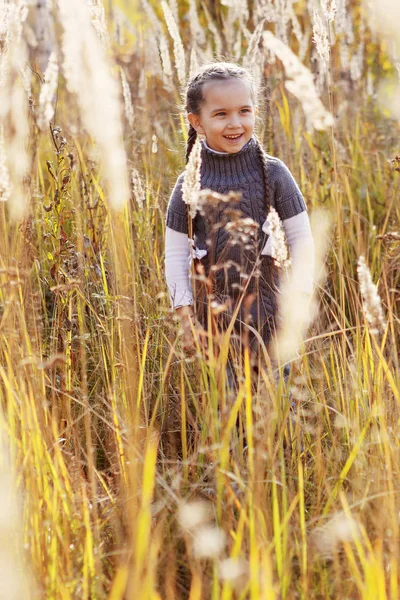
98	18
128	105
47	93
191	182
242	230
179	51
300	83
329	9
279	249
165	57
137	188
371	301
320	37
89	79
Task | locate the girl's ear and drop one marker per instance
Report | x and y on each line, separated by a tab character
194	120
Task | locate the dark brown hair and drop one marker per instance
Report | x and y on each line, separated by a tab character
219	71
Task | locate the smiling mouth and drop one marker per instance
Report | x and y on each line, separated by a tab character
233	138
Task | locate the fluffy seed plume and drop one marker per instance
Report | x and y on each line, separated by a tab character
279	249
129	112
300	84
320	37
49	87
5	184
14	579
384	17
98	18
371	301
340	529
137	188
296	304
194	63
179	51
165	58
193	515
191	182
13	101
231	569
252	50
196	30
89	77
242	231
209	542
329	9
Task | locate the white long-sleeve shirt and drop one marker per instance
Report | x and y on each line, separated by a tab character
301	248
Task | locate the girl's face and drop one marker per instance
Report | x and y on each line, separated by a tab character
227	114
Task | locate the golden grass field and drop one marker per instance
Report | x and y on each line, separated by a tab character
122	473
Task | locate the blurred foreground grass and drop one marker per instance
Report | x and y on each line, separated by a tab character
129	476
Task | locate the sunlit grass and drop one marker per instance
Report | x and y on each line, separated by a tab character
111	429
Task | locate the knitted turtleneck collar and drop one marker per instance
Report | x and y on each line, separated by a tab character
218	153
230	169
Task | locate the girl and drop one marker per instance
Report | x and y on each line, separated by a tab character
221	107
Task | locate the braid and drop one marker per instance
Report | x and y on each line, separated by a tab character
273	273
192	137
264	163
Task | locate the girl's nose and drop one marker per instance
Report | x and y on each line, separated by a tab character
234	121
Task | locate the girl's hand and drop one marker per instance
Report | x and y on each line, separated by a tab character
188	322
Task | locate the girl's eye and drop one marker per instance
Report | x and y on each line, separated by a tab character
220	114
245	110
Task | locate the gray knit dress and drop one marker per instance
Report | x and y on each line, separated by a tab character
239	273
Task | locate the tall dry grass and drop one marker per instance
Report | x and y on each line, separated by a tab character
137	474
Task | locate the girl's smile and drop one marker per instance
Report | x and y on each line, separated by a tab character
227	114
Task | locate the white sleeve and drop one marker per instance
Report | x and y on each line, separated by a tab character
177	264
301	247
